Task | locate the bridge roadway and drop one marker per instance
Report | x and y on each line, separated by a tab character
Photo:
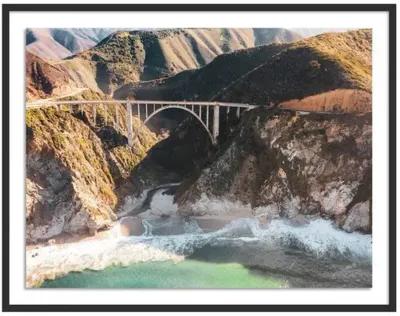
146	109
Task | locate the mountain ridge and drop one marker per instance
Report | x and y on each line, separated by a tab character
134	56
59	43
272	74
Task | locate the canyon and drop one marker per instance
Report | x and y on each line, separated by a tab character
78	173
300	160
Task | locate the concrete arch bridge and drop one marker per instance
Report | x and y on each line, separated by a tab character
208	114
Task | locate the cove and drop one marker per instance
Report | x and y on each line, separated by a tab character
166	274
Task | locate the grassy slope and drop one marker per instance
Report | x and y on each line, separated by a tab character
133	56
129	57
315	65
272	73
206	82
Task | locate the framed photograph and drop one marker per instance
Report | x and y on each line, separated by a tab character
199	157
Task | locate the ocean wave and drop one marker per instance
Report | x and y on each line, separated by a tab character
54	261
318	237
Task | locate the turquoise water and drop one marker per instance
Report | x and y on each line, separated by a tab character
241	254
278	256
166	274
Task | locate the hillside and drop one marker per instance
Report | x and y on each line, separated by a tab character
119	186
50	80
278	73
308	67
58	43
44	79
204	83
128	57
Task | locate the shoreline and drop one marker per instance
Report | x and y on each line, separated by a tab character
111	248
207	223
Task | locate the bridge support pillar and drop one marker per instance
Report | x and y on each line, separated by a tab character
216	124
129	123
207	116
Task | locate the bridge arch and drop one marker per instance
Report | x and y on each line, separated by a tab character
213	141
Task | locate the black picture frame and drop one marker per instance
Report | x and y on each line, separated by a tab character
390	8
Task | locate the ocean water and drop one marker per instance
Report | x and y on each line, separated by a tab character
174	252
166	274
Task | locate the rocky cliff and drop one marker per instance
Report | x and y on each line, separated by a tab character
280	162
74	168
286	164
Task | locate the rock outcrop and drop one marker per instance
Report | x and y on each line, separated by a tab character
286	164
74	169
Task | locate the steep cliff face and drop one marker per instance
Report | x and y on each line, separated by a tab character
285	164
74	168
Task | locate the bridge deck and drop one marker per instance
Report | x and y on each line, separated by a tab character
45	103
194	107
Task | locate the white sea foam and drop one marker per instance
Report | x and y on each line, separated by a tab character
318	237
322	238
54	261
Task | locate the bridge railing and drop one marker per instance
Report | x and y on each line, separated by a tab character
155	106
50	103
